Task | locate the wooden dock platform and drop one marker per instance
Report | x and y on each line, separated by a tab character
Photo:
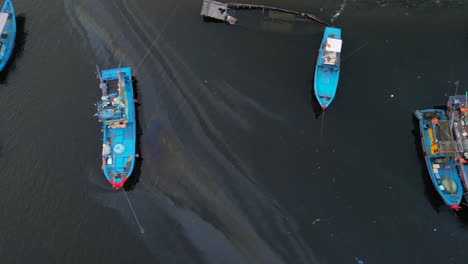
217	10
250	6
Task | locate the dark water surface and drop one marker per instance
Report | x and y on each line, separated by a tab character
234	168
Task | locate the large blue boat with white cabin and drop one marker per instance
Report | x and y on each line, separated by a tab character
327	69
8	32
116	112
440	155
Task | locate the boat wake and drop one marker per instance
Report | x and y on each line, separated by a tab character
338	13
197	199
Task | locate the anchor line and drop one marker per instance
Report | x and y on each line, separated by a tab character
354	52
321	128
142	231
156	38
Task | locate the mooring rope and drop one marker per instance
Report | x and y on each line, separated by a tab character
133	211
156	38
249	6
323	118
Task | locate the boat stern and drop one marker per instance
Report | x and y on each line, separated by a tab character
324	103
455	207
118	180
117	184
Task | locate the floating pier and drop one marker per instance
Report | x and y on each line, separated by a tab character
219	11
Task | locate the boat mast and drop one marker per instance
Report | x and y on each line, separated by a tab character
120	83
98	73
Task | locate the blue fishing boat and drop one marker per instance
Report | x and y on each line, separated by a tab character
116	112
8	32
457	110
440	155
327	69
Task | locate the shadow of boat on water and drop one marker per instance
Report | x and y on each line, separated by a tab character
316	107
213	20
131	183
20	40
429	189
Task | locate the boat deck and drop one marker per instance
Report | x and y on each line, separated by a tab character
446	141
118	137
112	86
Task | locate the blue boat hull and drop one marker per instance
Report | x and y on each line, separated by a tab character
118	164
326	76
8	39
440	155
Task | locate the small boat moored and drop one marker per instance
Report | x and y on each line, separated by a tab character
8	32
327	69
116	112
440	155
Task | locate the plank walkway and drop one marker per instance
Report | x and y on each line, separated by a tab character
250	6
219	11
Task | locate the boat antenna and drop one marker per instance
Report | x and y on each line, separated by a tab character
156	38
457	83
142	231
98	73
456	86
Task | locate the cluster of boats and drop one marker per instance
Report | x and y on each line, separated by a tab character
444	139
444	133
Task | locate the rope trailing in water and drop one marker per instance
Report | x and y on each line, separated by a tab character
156	38
133	211
354	52
323	118
249	6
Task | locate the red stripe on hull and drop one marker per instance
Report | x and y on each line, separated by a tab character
118	185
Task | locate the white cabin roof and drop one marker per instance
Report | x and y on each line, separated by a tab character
3	20
333	45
